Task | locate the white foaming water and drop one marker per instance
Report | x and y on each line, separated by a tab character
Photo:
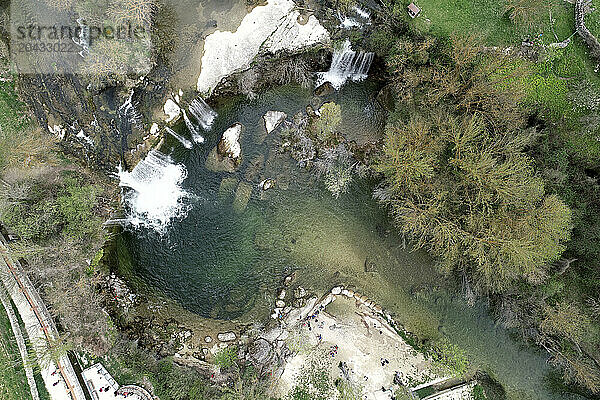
349	23
186	143
152	192
346	64
202	112
361	18
198	138
364	14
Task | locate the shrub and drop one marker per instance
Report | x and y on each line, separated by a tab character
227	357
330	117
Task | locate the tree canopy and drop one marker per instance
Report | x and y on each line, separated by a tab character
456	175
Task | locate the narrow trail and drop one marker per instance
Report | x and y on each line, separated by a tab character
60	378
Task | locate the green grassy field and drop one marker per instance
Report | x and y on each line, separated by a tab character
552	76
13	383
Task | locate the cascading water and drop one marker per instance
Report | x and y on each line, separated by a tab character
360	18
152	192
186	143
346	64
198	138
202	112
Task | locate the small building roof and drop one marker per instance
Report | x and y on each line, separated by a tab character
413	9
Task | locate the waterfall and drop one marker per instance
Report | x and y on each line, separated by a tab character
198	138
152	192
202	112
128	111
346	64
186	143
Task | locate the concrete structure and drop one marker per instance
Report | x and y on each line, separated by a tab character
413	10
14	323
102	386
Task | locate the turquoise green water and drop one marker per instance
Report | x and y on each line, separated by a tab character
223	264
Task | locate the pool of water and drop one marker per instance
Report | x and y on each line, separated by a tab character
222	263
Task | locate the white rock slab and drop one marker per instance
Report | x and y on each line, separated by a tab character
273	119
273	25
231	141
226	336
172	110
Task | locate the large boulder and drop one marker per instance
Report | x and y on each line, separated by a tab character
273	119
227	155
172	110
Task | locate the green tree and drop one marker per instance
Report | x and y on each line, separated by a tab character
472	197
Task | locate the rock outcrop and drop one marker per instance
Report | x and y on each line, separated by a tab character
266	29
273	119
227	155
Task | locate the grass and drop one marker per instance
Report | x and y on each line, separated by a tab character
551	77
13	382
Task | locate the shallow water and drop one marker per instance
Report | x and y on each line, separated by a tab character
223	264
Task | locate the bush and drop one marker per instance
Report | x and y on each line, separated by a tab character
227	357
330	117
451	357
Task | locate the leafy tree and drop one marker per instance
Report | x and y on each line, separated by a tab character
473	199
76	205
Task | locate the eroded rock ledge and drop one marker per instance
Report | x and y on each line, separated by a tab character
271	28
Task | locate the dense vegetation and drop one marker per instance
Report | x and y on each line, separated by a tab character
490	162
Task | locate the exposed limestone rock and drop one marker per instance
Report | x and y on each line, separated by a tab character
300	292
267	184
280	303
288	279
273	119
171	110
261	354
269	28
208	339
226	157
226	336
229	146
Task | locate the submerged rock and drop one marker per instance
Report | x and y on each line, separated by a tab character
273	119
227	188
324	90
255	168
242	196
